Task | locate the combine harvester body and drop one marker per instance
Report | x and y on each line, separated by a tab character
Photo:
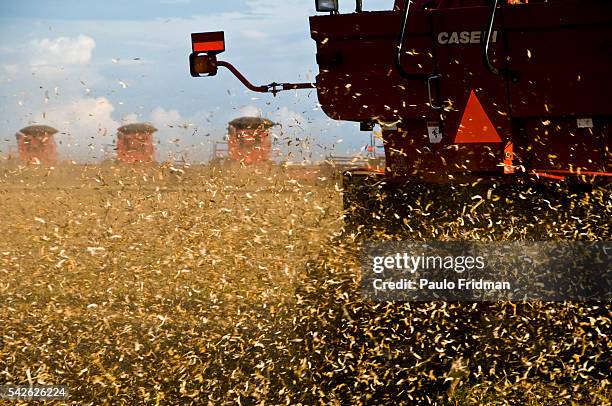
536	102
249	140
487	92
135	143
36	145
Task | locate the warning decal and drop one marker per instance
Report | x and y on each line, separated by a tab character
476	127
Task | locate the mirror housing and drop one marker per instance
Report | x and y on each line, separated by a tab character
201	65
205	47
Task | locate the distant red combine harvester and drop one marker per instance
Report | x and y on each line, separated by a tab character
249	140
135	143
36	144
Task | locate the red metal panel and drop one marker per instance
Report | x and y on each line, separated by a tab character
208	42
560	48
357	79
208	46
562	54
249	146
559	144
37	149
135	148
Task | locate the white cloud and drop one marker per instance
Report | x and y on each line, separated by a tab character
178	138
85	126
62	51
160	74
288	118
130	118
11	69
163	118
96	111
250	111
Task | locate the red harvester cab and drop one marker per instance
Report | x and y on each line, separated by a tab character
36	144
135	143
249	140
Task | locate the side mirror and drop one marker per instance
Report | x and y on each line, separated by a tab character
202	65
205	47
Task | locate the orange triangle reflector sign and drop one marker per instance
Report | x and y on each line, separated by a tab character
476	127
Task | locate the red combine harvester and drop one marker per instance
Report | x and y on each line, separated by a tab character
135	143
470	94
36	144
249	140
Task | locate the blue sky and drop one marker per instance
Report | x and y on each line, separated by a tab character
112	9
87	67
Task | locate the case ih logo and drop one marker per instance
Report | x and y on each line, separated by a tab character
464	37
